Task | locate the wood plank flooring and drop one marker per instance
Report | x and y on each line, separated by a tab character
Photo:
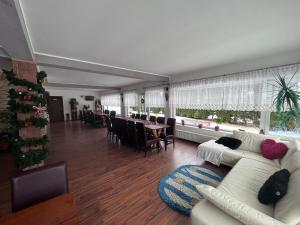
111	183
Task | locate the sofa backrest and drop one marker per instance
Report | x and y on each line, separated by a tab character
287	209
293	147
250	141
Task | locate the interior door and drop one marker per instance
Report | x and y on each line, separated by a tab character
56	108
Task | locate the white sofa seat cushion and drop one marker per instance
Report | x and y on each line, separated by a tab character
231	157
287	209
244	181
204	213
235	208
250	141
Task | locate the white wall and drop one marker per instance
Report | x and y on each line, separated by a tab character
67	94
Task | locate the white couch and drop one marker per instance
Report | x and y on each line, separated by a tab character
235	200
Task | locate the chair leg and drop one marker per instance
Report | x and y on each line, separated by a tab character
173	143
145	149
158	147
166	144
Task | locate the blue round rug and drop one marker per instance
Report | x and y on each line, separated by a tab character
178	189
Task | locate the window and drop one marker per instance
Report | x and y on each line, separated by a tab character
115	108
156	111
130	102
292	129
225	119
112	102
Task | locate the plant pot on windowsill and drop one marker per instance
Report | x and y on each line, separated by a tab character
217	128
200	125
182	122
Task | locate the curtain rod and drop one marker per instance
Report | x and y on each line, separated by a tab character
246	71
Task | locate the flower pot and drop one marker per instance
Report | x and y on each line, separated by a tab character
200	125
217	128
182	122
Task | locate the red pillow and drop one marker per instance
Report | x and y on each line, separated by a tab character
270	149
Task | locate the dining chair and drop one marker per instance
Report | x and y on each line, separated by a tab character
137	116
108	126
112	113
106	111
114	128
38	185
143	117
161	120
143	141
152	119
131	133
169	136
123	133
132	116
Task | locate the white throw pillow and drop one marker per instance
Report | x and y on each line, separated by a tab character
250	141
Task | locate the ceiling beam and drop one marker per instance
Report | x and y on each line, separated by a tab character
79	86
14	37
85	66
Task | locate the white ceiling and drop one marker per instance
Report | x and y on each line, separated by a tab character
164	37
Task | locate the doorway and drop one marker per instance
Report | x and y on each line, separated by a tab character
56	108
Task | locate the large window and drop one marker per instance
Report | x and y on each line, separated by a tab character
155	101
112	102
130	102
291	129
156	111
225	119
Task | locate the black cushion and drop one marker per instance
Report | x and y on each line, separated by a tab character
229	142
274	188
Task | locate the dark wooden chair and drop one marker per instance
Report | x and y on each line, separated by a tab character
143	141
161	120
114	128
144	117
123	132
132	140
137	116
108	126
106	111
112	113
132	116
169	136
38	185
152	119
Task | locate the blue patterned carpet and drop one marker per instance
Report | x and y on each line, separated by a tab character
178	189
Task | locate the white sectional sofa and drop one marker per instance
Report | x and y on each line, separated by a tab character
235	201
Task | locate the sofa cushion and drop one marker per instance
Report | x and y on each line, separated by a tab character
205	212
271	149
292	163
230	158
293	146
287	209
251	141
244	181
274	188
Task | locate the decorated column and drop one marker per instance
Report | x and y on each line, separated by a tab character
29	105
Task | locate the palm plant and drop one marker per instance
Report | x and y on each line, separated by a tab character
287	101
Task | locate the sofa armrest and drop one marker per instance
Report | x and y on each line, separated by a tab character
239	210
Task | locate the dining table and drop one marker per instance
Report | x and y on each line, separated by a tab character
58	210
154	127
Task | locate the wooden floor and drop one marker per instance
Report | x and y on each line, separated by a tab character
111	183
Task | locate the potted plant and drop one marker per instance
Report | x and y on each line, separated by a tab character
217	128
200	125
287	101
182	122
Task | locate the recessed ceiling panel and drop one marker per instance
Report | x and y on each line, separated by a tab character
163	37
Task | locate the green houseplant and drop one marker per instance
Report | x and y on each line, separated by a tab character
287	100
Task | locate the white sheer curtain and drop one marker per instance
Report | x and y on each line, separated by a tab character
130	99
113	100
246	91
155	97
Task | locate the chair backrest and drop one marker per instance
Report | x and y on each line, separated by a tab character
112	113
131	132
108	122
152	118
172	123
141	134
123	130
161	120
38	185
132	116
137	116
144	117
106	111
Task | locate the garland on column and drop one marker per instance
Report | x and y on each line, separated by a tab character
25	102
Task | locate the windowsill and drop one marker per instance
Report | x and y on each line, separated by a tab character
205	128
